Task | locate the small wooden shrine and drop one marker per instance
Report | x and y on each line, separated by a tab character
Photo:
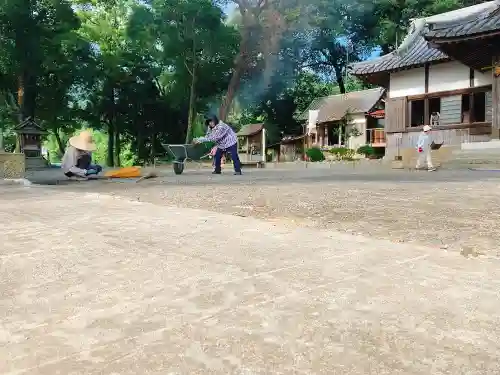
29	142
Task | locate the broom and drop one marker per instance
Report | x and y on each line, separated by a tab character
147	176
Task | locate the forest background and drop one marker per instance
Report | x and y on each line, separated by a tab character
144	72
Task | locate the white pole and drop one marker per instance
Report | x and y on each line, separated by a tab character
263	145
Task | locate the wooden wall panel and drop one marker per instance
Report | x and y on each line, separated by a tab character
395	115
451	110
495	118
488	105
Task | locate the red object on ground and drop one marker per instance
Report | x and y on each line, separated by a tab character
420	149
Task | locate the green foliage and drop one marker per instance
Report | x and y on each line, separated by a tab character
366	150
140	73
343	153
99	156
315	154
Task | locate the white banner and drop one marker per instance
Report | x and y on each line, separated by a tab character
313	118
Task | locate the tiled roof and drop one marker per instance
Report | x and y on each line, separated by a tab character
334	107
250	129
29	126
486	22
416	54
415	51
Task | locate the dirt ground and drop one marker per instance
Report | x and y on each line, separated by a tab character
120	278
452	210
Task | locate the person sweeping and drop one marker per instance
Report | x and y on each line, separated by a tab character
77	159
424	149
226	141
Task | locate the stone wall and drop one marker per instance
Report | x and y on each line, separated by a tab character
12	165
439	157
450	138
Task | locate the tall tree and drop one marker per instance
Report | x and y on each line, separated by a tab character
30	32
384	23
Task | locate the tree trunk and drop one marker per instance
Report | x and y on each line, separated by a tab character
240	66
192	103
26	95
60	145
340	79
110	157
118	148
2	149
20	101
153	147
386	48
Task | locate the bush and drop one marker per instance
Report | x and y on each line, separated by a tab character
366	150
343	153
315	154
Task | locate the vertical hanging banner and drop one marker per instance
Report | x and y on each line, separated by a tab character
313	118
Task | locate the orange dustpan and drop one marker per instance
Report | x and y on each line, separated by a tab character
126	172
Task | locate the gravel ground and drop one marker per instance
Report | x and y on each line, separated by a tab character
452	210
93	285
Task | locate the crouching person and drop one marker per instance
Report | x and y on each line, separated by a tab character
77	160
226	141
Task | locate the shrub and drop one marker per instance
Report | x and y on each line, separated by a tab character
343	153
366	150
315	154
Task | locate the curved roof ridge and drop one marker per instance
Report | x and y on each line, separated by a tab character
492	9
350	92
418	26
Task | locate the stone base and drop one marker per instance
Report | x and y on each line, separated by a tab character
12	165
439	157
35	163
397	164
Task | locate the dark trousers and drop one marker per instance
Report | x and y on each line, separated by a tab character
85	162
233	151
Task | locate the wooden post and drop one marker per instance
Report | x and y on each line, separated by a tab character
495	100
427	116
248	148
263	147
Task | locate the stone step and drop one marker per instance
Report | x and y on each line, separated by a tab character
36	163
467	157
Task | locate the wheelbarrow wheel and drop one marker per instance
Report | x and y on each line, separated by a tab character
178	167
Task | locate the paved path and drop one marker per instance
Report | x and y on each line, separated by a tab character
102	285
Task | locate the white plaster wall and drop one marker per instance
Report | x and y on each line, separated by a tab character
407	82
448	76
359	121
442	77
483	79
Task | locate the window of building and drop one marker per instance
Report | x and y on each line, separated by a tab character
466	115
449	110
479	111
434	105
417	111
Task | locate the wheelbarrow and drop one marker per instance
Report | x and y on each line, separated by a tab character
187	152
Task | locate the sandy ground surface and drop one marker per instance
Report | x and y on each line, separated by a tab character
95	284
455	210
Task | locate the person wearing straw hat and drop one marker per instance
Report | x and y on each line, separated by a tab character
77	160
424	149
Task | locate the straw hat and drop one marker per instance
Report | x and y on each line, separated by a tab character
83	141
427	128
